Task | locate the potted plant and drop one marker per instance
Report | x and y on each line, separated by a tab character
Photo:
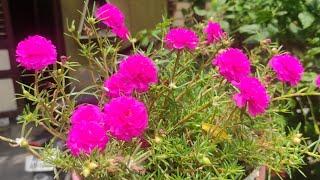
182	104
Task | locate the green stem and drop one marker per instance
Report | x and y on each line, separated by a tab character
29	147
176	62
187	117
8	140
316	128
52	131
294	95
36	84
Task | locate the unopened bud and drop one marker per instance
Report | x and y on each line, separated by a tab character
72	28
91	20
299	135
22	142
296	140
133	40
265	42
226	41
59	72
204	160
157	139
64	59
92	165
86	172
172	86
274	50
29	117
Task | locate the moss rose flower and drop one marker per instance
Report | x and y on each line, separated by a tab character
181	38
318	81
84	137
117	85
126	118
36	53
232	64
87	113
288	68
112	16
252	94
139	71
213	32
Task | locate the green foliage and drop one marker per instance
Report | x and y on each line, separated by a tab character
293	23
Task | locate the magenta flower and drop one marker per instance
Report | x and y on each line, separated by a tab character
36	53
318	81
181	38
112	16
87	113
288	68
126	118
121	31
252	94
139	71
84	137
213	32
232	64
117	85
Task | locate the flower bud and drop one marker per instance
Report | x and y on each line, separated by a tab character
299	135
296	140
92	165
133	40
59	72
265	42
22	142
204	160
157	139
274	50
72	28
172	86
29	117
86	172
91	20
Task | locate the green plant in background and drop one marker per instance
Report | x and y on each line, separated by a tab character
203	122
293	23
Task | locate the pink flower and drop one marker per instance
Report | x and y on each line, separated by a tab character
112	16
213	32
181	38
87	113
252	94
121	31
126	118
232	64
318	81
139	71
84	137
288	68
117	85
36	53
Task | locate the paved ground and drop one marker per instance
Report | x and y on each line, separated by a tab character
12	159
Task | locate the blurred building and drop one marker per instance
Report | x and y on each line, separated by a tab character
21	18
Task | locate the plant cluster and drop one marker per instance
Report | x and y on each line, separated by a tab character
293	23
184	105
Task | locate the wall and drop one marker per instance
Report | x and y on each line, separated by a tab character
140	14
